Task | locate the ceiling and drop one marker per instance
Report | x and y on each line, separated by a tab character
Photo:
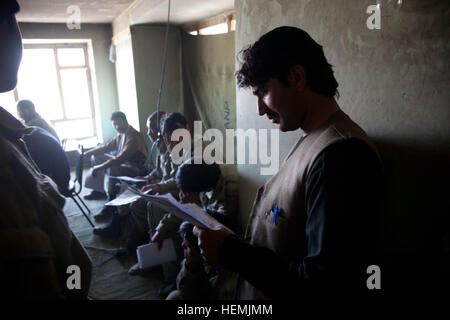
105	11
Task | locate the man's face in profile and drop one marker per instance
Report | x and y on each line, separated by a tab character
283	104
10	52
152	130
120	125
24	114
169	143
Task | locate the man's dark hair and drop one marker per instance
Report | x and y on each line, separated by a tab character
193	177
118	115
26	105
186	233
155	114
276	52
7	8
172	122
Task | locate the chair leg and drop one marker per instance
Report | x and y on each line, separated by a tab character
84	213
83	203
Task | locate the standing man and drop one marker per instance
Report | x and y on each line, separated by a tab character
38	247
27	112
129	154
313	224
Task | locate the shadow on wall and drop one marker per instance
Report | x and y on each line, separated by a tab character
416	213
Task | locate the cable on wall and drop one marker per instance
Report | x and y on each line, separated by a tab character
163	69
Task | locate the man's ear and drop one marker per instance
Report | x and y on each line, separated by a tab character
297	77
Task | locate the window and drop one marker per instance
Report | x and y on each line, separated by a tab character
223	23
215	29
57	78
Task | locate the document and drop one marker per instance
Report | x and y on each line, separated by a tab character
149	255
189	212
97	182
129	179
125	197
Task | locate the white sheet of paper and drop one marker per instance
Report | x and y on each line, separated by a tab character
97	182
149	255
129	179
125	197
188	212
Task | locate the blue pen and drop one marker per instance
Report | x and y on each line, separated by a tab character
276	211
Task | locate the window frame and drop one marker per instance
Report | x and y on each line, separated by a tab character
86	67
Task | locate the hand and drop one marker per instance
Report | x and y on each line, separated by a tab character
210	242
156	188
158	238
189	197
193	257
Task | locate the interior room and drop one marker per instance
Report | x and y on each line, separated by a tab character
83	61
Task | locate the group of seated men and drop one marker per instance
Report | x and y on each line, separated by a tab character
209	185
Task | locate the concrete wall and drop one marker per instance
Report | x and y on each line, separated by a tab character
394	82
105	84
148	48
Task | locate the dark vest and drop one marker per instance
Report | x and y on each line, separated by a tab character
286	189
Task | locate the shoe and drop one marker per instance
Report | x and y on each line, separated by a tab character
110	231
136	271
164	291
105	213
113	229
95	195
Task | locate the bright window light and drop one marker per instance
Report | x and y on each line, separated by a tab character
55	77
233	25
194	33
8	102
71	57
216	29
38	82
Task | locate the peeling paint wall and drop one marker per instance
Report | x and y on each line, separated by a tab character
394	82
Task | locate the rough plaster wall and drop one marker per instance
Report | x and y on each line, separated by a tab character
394	82
100	34
148	47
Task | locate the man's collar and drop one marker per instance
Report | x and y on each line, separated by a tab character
11	127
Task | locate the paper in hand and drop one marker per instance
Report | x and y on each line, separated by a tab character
128	179
188	212
150	255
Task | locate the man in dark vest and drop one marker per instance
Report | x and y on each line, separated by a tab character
313	224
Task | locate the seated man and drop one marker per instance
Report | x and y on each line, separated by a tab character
115	228
204	185
147	219
27	112
131	154
196	279
158	146
49	156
